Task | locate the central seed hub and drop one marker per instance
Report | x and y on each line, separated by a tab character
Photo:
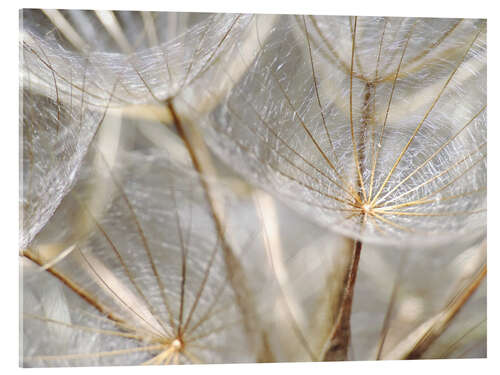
366	207
177	344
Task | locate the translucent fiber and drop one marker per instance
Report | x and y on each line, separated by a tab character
368	127
375	127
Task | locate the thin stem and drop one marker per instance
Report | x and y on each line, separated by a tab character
339	341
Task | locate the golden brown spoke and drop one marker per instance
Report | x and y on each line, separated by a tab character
309	134
454	345
467	290
446	315
211	348
191	357
159	358
150	90
463	194
372	143
315	81
334	57
456	178
145	245
195	54
125	88
209	60
210	310
425	52
354	146
376	226
292	150
154	360
275	134
84	81
354	208
381	138
218	329
281	139
407	204
104	112
52	71
206	65
439	175
434	154
208	347
94	82
379	54
203	284
392	51
352	215
306	129
447	170
55	72
427	201
84	328
353	36
405	148
245	148
184	253
129	274
81	89
107	312
309	187
94	355
403	213
132	58
391	223
122	325
91	267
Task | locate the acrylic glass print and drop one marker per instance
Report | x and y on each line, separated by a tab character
235	188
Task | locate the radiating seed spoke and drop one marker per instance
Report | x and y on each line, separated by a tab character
353	138
433	178
446	143
415	132
381	138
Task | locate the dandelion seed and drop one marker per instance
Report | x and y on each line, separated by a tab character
351	121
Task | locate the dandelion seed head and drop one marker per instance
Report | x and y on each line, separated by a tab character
339	164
